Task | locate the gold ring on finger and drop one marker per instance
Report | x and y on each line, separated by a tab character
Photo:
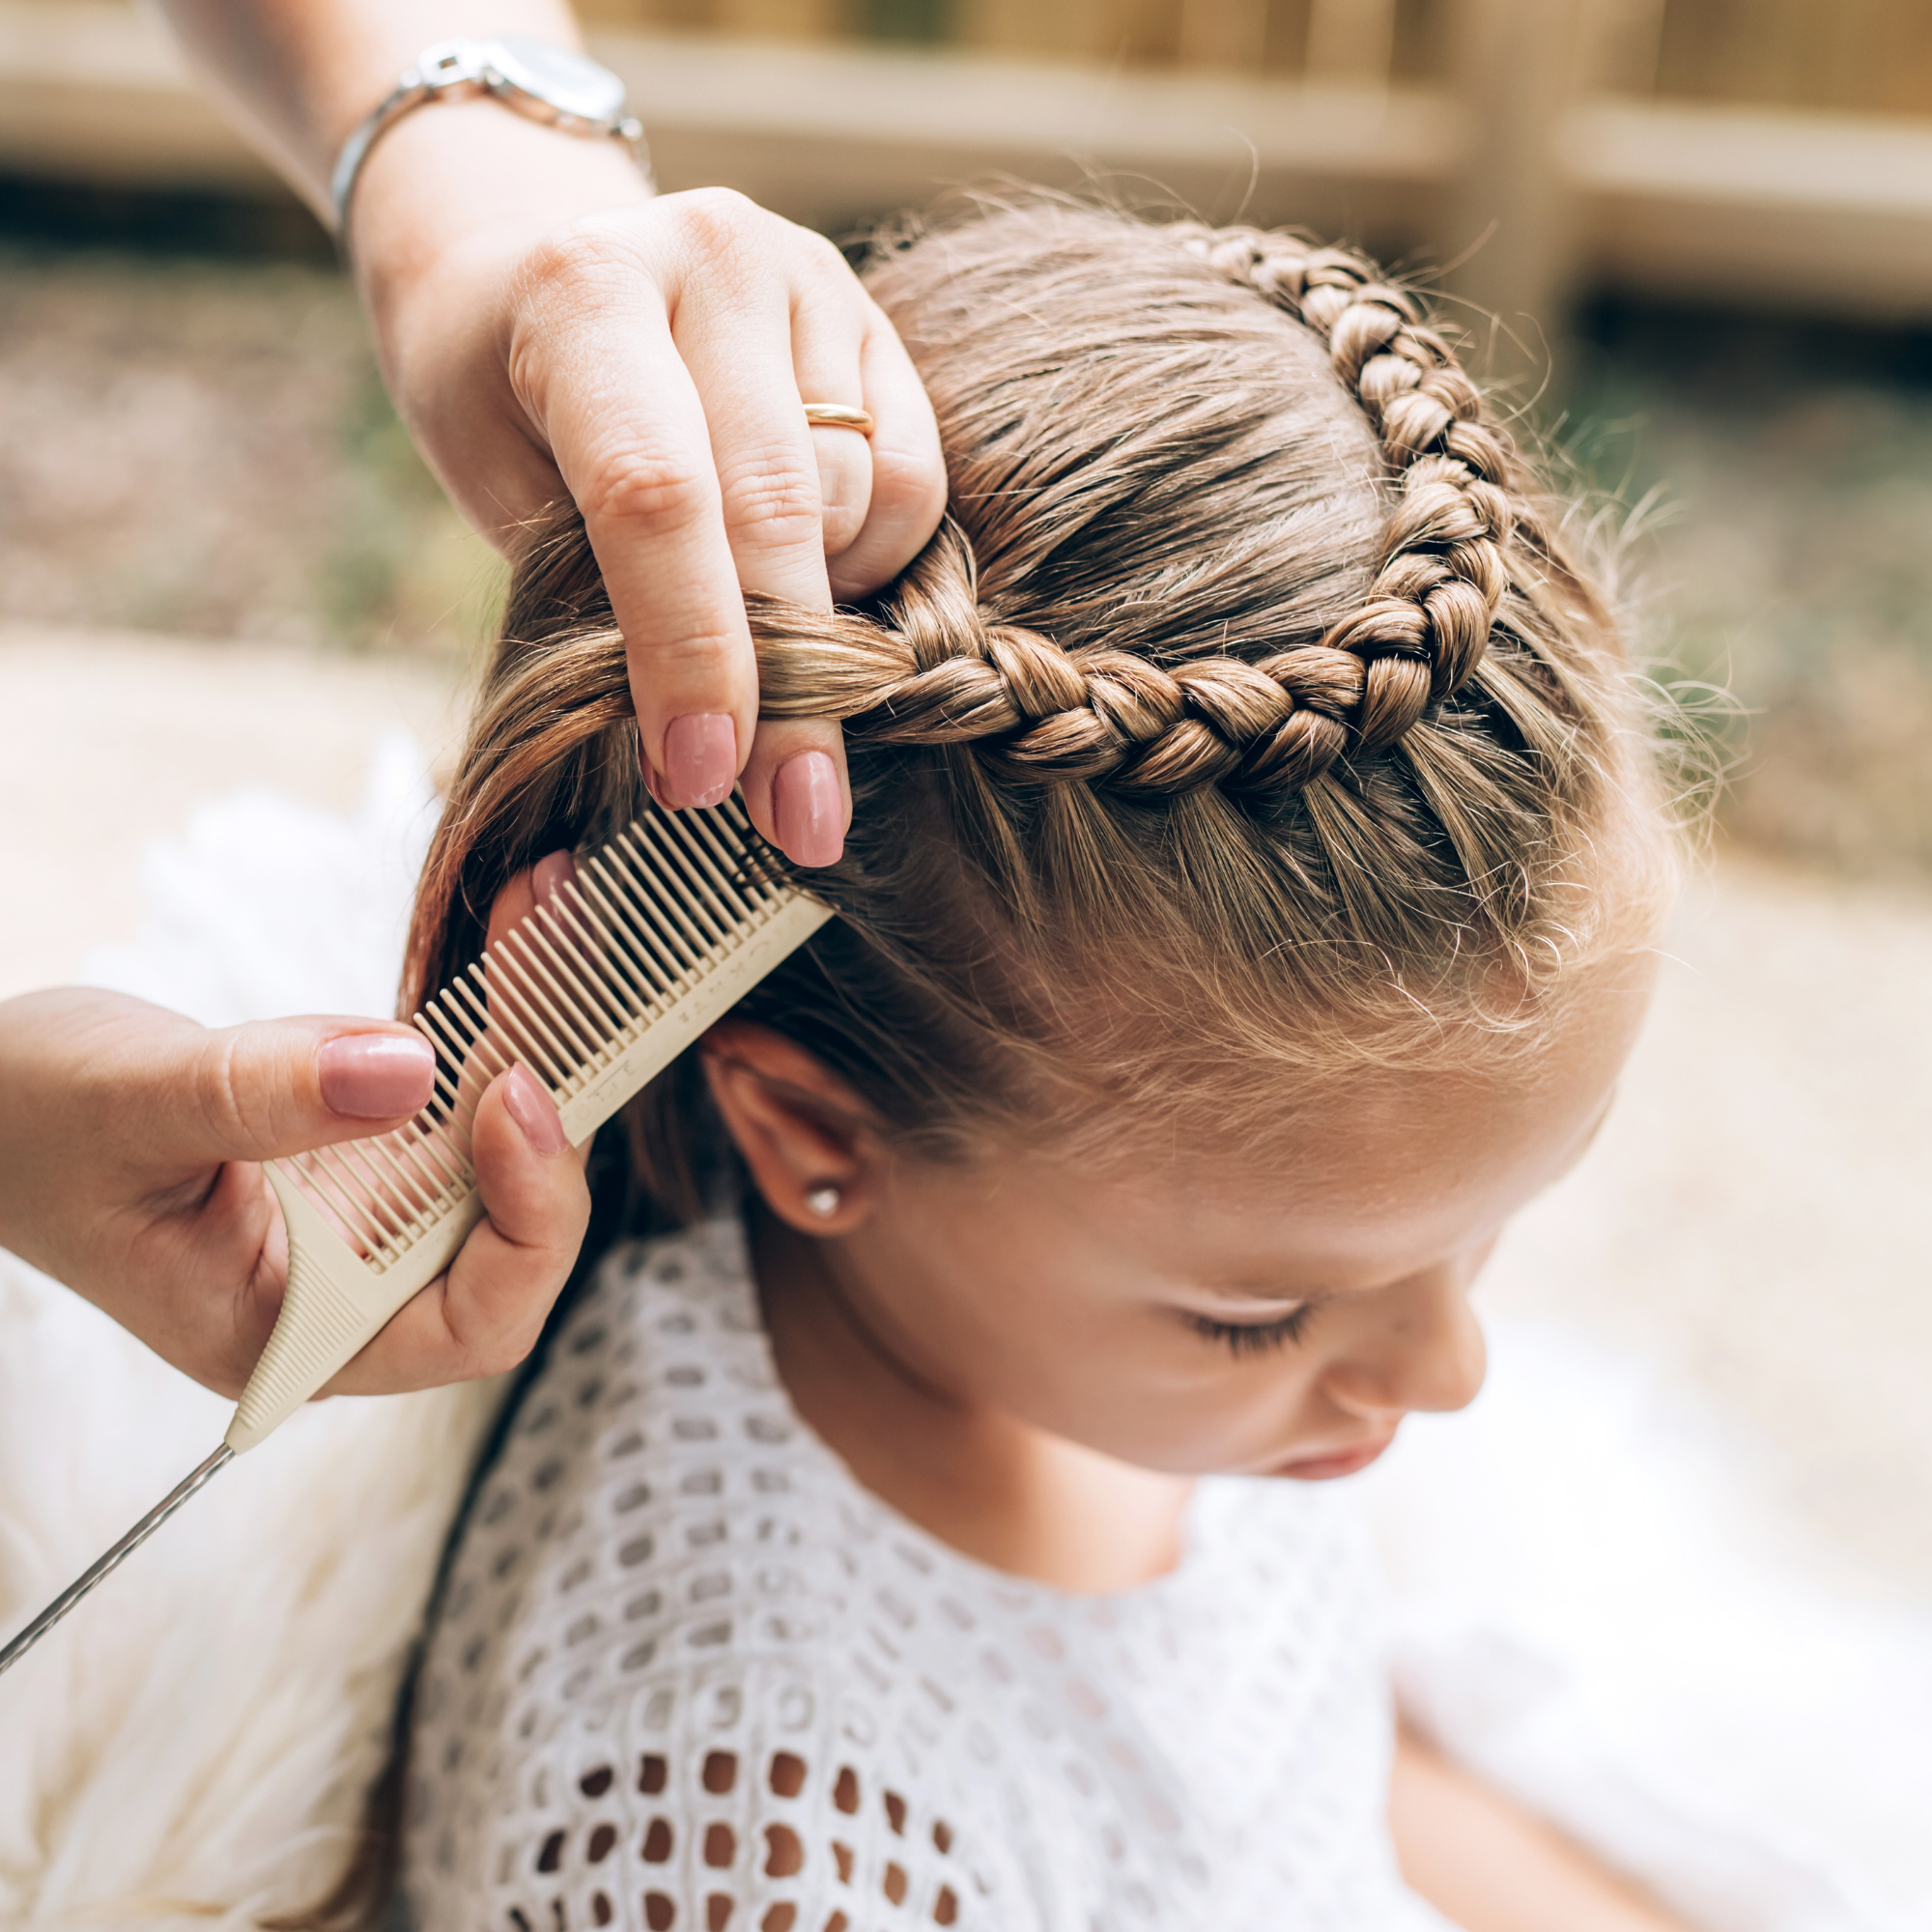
837	415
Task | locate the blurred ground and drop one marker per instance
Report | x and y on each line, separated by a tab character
204	449
1753	1217
195	453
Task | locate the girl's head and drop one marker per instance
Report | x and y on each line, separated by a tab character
1254	845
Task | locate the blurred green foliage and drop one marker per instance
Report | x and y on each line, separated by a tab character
1777	480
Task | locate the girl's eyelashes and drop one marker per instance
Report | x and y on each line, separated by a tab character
1253	1338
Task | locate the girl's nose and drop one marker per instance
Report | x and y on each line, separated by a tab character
1426	1353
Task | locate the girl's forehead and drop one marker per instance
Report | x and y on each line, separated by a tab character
1364	1174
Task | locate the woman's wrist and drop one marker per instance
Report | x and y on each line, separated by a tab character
454	179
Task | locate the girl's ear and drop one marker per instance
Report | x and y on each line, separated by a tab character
802	1131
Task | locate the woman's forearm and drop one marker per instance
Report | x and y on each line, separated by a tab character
300	74
1489	1866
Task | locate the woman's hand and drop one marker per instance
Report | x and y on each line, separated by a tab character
550	327
650	358
130	1139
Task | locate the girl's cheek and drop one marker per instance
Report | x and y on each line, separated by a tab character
1252	1415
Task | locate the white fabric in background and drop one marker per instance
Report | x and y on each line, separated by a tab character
1596	1609
1600	1612
187	1751
268	906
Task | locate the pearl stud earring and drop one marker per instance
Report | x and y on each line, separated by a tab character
823	1199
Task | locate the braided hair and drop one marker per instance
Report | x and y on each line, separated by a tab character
1093	715
1247	716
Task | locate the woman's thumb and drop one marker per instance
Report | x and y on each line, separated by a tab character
279	1087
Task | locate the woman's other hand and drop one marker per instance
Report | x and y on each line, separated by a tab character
650	358
129	1143
548	326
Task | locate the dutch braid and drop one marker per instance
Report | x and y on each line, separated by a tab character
942	674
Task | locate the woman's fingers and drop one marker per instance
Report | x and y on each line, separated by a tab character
594	365
796	790
484	1315
663	353
844	459
731	320
827	321
908	467
194	1098
757	345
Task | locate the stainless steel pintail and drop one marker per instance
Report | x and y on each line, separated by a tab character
18	1645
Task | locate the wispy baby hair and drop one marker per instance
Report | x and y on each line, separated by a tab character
1248	722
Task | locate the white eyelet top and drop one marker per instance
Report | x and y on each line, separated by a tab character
690	1674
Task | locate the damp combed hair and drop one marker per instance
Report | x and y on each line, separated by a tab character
1248	722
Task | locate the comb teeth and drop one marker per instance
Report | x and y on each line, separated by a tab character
595	992
567	993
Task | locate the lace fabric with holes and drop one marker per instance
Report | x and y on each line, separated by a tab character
690	1676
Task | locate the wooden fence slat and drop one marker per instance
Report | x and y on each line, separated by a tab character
1350	39
1831	213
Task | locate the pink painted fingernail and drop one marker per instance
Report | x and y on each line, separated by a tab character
700	758
810	813
376	1077
551	873
530	1108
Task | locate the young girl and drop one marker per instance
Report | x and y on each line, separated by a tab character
1255	854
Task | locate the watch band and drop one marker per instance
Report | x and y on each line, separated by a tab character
551	84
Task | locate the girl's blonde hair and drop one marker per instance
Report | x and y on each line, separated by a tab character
1249	720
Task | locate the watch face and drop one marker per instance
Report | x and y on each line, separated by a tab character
565	82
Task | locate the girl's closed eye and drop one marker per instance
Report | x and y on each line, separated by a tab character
1253	1338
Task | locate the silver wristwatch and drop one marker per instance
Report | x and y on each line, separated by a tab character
567	90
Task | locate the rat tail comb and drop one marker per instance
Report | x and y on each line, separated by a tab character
596	992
